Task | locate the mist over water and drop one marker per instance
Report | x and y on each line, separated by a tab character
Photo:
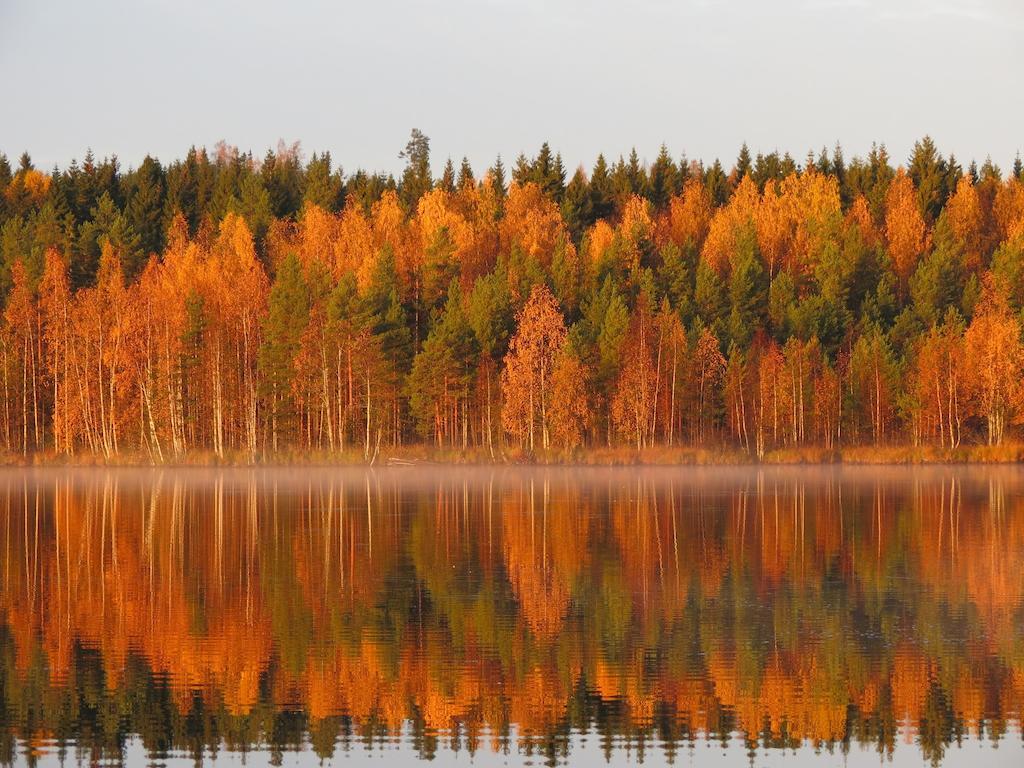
804	616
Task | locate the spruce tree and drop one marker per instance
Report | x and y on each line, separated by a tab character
145	210
577	206
602	198
941	278
497	177
664	179
710	299
447	180
286	321
321	186
928	171
743	165
465	174
747	291
717	183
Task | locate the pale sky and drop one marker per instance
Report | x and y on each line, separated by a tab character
482	77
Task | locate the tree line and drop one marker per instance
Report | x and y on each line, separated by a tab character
239	306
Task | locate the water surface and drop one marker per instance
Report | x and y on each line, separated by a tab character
502	617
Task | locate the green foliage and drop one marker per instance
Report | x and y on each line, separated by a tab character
602	330
712	303
747	294
577	206
107	223
491	315
287	318
416	179
253	204
444	368
321	186
938	283
382	313
145	209
676	276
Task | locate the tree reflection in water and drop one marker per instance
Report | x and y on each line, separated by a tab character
467	610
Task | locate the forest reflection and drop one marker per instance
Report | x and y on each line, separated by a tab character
507	610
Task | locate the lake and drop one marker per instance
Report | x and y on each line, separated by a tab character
805	616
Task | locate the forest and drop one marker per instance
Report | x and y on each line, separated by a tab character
242	308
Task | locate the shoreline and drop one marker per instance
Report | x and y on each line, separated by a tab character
1008	453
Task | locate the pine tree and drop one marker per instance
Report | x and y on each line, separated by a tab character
416	178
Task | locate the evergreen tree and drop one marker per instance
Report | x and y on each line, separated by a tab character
286	321
940	280
747	291
465	174
664	179
416	178
497	176
839	171
5	180
254	205
577	206
766	168
928	171
676	275
491	313
106	223
442	372
743	165
522	172
145	210
717	183
281	173
321	186
602	196
447	180
710	299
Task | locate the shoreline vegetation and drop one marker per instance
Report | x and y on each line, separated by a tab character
1009	452
226	309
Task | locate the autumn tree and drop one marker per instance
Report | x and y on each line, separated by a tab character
904	226
526	381
994	359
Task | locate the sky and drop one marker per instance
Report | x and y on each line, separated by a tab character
483	77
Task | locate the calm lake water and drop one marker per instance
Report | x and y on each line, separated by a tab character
505	617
